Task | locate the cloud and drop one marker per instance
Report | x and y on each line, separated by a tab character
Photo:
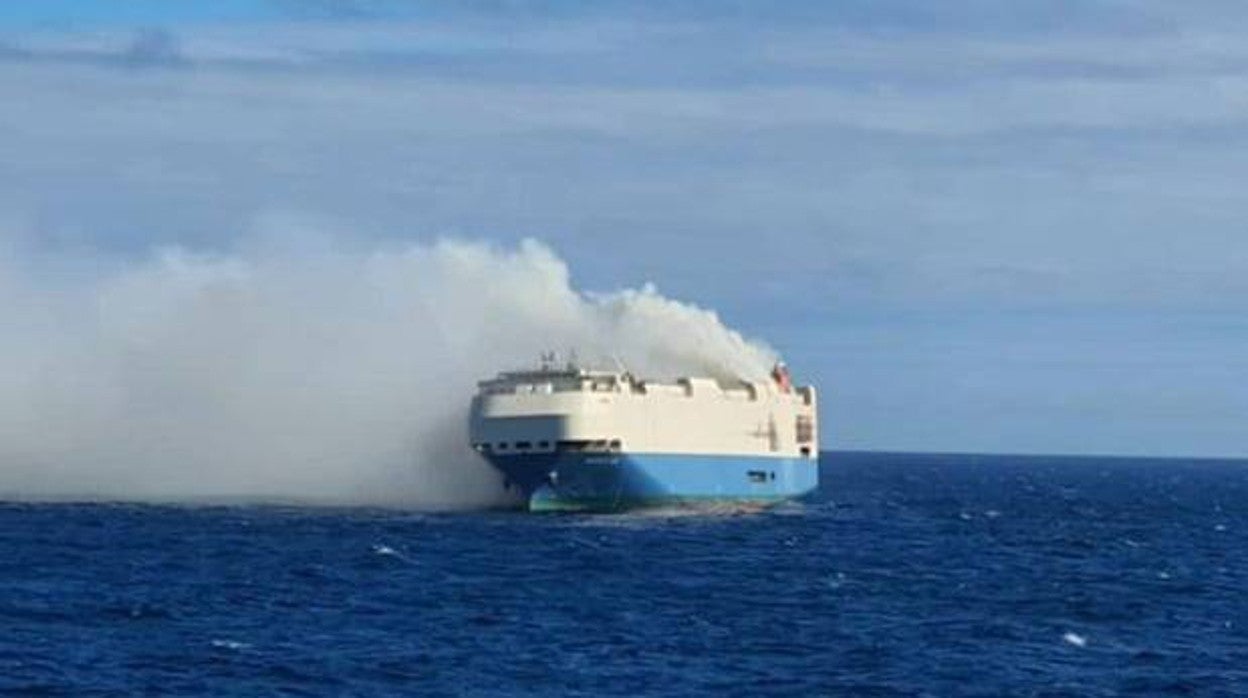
142	48
154	47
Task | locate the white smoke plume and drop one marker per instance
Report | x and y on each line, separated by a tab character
302	371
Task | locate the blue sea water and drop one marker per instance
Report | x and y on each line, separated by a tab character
905	575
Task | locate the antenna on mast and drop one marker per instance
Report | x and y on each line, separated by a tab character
548	360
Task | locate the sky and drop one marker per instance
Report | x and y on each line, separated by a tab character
975	226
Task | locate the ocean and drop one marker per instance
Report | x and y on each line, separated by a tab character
906	575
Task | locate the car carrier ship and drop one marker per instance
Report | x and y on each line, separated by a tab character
575	439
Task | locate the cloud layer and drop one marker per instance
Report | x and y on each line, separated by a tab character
1085	164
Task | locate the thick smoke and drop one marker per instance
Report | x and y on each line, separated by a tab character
302	371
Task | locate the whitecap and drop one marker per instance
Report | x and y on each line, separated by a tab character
229	644
1074	639
587	543
387	551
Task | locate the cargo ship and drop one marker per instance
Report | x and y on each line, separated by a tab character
568	438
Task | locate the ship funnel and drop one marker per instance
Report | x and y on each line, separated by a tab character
780	374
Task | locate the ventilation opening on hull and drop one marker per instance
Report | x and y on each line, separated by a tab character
580	445
805	451
805	429
757	475
590	445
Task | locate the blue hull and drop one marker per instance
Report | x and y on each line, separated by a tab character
616	481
